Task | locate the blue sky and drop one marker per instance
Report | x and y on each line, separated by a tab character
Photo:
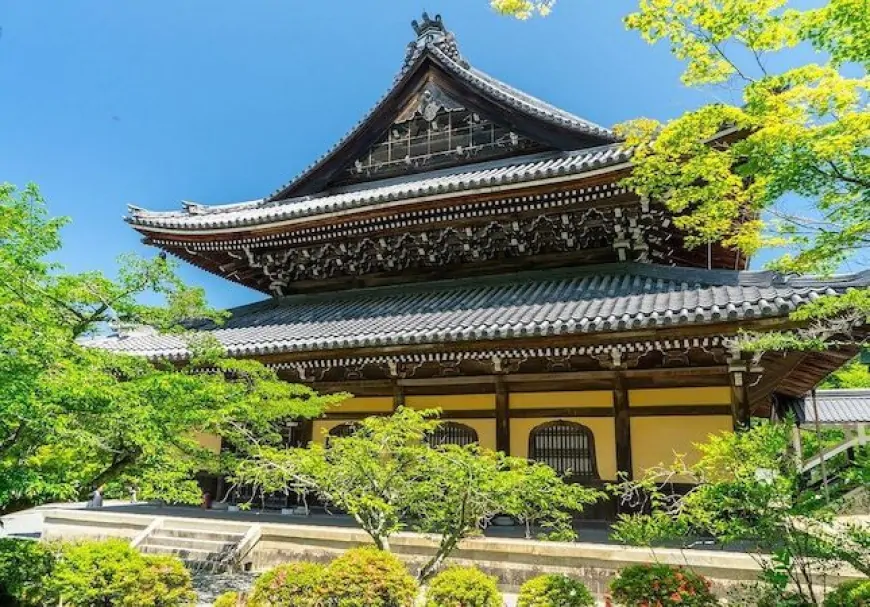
108	102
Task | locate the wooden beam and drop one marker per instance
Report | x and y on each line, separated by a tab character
675	410
502	417
563	412
623	427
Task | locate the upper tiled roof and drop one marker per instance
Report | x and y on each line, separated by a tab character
839	407
494	173
589	300
436	44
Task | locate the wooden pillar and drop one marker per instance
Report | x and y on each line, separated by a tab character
502	416
738	372
622	423
306	432
398	395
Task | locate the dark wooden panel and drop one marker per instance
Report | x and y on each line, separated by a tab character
563	412
670	410
502	417
623	427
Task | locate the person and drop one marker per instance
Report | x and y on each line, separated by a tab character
96	500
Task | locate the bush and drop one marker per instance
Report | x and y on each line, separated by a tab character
290	585
850	594
368	577
661	585
24	566
463	587
230	599
112	574
554	590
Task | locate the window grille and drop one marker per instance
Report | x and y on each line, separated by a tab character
567	447
452	433
342	430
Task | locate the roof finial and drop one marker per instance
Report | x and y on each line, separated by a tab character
428	26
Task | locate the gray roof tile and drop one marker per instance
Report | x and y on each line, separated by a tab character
839	407
468	177
582	300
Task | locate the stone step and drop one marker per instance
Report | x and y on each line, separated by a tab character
204	534
185	554
196	543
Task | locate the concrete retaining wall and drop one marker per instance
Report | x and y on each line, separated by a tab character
512	560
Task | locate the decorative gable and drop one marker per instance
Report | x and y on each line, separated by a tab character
436	131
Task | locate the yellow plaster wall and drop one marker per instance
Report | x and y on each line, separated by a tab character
485	429
545	400
365	404
212	442
452	402
715	395
602	428
654	440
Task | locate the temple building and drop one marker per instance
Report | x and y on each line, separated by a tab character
470	247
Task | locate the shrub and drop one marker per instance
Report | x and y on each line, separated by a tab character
230	599
290	585
463	587
661	585
112	574
166	582
554	590
24	565
368	577
850	594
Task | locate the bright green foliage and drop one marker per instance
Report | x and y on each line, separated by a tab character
661	585
748	490
368	577
73	418
854	374
463	587
803	131
533	489
230	599
24	565
112	574
289	585
387	477
554	590
849	594
523	9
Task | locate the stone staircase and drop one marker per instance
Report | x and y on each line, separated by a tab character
200	548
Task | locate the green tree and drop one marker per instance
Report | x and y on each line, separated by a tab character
854	374
726	169
74	417
748	490
388	478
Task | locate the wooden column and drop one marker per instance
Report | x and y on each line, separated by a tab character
502	416
738	373
622	423
306	432
398	395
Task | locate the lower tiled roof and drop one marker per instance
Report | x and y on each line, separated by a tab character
612	297
839	407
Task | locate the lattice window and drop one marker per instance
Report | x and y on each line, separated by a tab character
567	447
452	433
436	132
342	430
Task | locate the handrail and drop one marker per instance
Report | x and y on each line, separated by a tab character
246	544
831	453
143	535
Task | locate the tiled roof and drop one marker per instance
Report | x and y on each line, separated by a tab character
594	299
839	407
500	172
513	170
